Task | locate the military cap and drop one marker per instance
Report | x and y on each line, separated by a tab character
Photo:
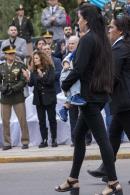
9	49
20	7
47	34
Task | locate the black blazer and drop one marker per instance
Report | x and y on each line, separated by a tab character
25	30
58	68
83	70
44	88
121	93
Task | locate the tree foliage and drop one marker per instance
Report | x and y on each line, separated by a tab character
33	8
7	11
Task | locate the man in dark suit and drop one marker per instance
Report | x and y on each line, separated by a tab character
24	27
120	105
12	84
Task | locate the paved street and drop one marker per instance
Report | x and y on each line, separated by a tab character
40	178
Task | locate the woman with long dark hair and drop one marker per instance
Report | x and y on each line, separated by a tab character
119	34
93	66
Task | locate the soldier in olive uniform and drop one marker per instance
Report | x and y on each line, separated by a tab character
24	27
111	8
48	37
12	83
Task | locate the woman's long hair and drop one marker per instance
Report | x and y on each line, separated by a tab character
46	62
102	78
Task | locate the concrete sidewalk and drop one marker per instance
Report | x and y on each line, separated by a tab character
61	153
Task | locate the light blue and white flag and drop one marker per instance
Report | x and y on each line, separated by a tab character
99	3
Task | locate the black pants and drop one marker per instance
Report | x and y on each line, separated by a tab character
91	118
51	112
74	113
120	123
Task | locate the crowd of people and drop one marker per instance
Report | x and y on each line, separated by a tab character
89	64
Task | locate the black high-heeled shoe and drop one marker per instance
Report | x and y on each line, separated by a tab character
70	186
113	189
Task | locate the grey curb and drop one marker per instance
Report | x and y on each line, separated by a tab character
61	153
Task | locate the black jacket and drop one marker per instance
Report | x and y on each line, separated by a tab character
121	92
25	30
58	68
44	87
83	70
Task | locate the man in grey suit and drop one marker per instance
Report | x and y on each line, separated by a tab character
19	43
54	19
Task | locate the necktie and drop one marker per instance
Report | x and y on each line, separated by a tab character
52	10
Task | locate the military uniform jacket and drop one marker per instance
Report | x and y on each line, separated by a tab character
57	28
21	47
12	76
109	12
25	30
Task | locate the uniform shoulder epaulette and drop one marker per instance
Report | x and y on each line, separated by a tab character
14	18
45	8
19	61
2	63
62	7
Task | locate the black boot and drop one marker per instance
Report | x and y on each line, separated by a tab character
100	172
43	144
54	143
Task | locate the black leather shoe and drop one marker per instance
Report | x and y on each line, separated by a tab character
72	145
88	142
54	143
25	146
100	172
43	144
128	182
6	147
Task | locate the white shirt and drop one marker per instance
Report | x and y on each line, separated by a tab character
53	9
113	4
120	38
